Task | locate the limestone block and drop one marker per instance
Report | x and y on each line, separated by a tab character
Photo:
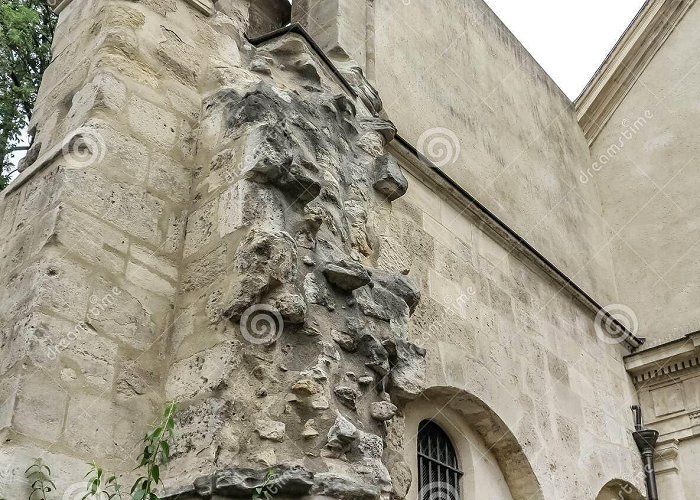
348	396
331	485
383	410
104	92
137	378
154	124
62	286
179	58
131	208
342	433
175	224
83	236
169	178
285	481
8	209
47	340
270	429
40	408
204	271
145	278
393	256
67	471
122	316
202	372
98	426
389	180
346	274
15	250
155	262
8	396
202	428
202	225
262	260
38	196
247	204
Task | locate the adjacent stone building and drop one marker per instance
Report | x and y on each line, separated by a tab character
368	246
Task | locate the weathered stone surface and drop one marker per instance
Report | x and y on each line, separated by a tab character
383	410
244	483
367	92
386	128
347	395
346	274
342	433
309	430
346	341
201	372
389	179
270	429
334	485
306	387
264	260
408	370
399	285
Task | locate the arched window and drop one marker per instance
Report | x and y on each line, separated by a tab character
438	470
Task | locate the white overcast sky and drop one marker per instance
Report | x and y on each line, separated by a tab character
569	38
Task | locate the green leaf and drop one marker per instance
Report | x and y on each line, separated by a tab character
137	484
165	450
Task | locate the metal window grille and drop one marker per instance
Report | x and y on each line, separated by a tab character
438	470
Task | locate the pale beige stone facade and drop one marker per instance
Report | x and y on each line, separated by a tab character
188	176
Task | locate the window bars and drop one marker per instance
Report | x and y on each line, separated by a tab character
438	470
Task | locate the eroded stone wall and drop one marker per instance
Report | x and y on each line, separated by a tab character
94	231
231	228
293	341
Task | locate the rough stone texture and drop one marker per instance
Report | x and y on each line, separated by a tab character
247	183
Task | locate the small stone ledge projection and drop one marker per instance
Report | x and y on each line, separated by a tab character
303	179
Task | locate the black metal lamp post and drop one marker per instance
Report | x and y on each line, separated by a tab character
646	442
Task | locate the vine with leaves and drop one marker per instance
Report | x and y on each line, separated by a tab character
101	486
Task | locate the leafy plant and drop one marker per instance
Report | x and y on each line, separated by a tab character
156	452
26	32
40	476
100	488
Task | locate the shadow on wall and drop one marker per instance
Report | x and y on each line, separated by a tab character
267	16
619	490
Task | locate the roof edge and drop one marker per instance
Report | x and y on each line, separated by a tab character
625	63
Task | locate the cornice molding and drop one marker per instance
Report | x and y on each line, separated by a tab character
623	66
206	7
673	357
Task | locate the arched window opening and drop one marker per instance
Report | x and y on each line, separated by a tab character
438	469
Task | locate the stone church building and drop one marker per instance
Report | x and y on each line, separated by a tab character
368	246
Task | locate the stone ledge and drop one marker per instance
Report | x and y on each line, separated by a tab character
672	357
279	481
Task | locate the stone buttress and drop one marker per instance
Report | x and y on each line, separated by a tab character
295	361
